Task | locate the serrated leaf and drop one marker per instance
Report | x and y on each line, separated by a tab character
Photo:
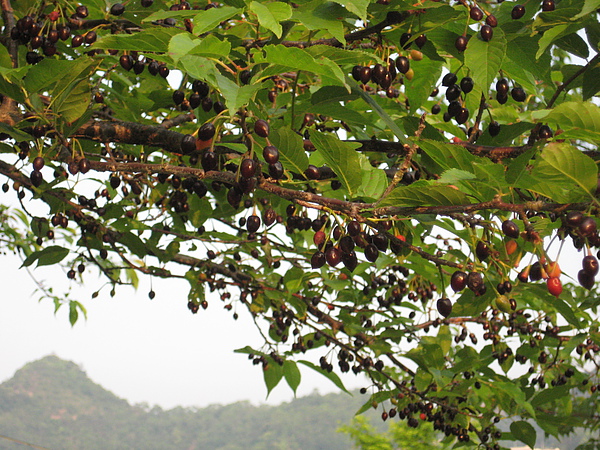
524	432
291	149
427	72
236	96
342	158
330	375
210	19
73	101
577	116
448	156
318	15
292	375
300	59
423	194
154	40
589	6
485	58
270	14
358	7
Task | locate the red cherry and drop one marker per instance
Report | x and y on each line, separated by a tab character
554	286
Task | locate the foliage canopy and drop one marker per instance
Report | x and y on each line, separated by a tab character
379	183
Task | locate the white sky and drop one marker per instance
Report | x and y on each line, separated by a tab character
152	351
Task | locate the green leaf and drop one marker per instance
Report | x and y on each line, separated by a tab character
47	256
133	243
589	6
291	374
153	40
578	120
563	174
322	16
427	71
423	194
210	19
273	373
591	82
524	432
293	279
358	7
300	59
330	375
73	101
236	96
574	44
73	313
448	156
342	158
291	149
271	14
485	58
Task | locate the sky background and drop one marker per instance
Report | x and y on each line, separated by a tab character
145	351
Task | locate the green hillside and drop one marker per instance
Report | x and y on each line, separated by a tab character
52	403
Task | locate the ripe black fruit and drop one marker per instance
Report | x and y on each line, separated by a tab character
178	97
188	144
482	250
449	79
312	172
36	178
245	76
276	170
444	306
585	279
590	265
126	62
380	240
209	161
402	64
517	12
206	132
248	168
574	218
84	165
317	260
461	43
115	181
510	229
453	92
548	5
404	40
333	256
353	228
117	9
163	71
587	227
271	154
38	163
475	282
200	87
518	94
491	21
261	128
371	252
454	108
458	281
494	128
421	41
435	109
502	86
462	116
466	84
365	75
356	72
350	260
545	132
476	14
153	68
253	223
487	33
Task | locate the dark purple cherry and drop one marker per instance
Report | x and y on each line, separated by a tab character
178	97
491	21
461	43
380	240
404	40
421	41
126	62
188	144
312	172
517	12
371	252
458	281
271	154
587	227
253	223
487	32
333	256
209	161
117	9
449	79
462	116
402	64
518	94
206	132
545	132
510	229
36	178
590	265
350	260
475	282
444	306
475	13
353	228
317	260
276	170
494	128
248	168
482	250
548	5
261	128
585	279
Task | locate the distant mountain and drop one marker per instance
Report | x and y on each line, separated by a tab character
53	404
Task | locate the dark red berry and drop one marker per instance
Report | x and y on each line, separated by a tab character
271	154
518	94
371	252
545	132
333	256
248	168
38	163
548	5
261	128
491	21
126	62
475	13
510	229
449	79
585	279
517	12
590	265
317	260
402	64
312	172
404	38
188	144
178	97
421	41
482	250
117	9
458	281
494	128
444	306
206	132
466	84
487	32
253	223
587	227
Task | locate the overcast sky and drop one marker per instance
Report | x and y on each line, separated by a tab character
152	351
